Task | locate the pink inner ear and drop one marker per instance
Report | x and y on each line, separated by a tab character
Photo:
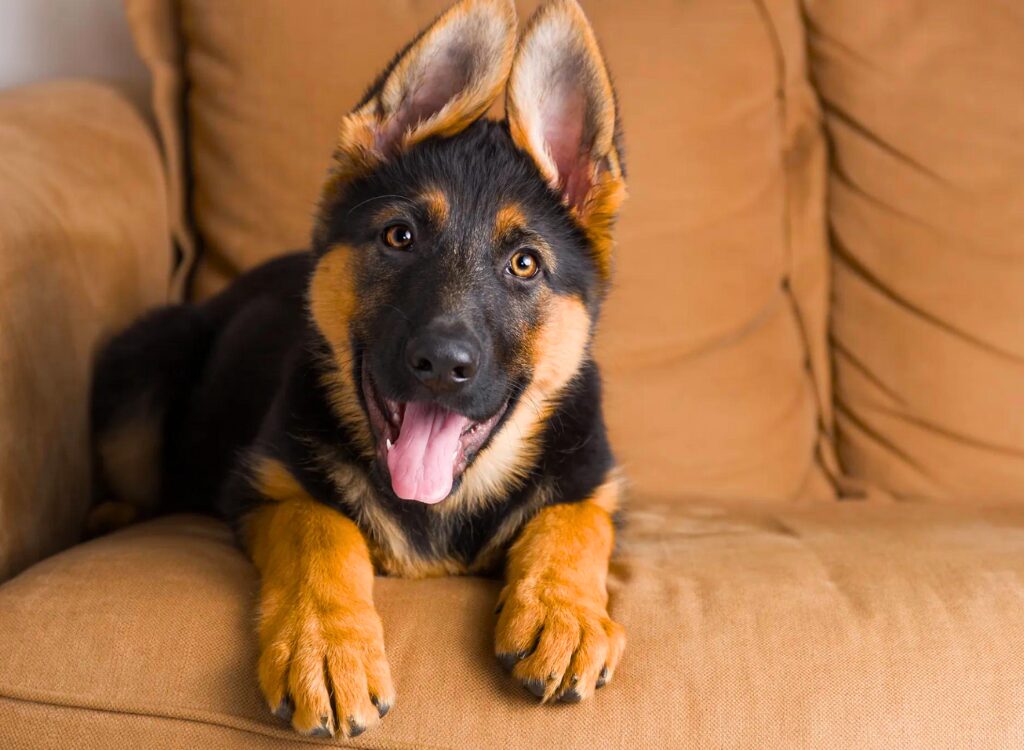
563	120
446	75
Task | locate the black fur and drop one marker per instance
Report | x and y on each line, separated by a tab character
240	376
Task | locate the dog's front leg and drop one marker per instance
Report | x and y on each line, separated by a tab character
322	663
553	629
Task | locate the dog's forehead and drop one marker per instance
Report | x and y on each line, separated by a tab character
475	218
475	182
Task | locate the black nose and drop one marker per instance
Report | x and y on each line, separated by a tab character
443	360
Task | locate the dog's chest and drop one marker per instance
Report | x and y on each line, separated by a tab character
409	539
421	542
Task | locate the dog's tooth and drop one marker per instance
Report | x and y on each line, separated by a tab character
388	441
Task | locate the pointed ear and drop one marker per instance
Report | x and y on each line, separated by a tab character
443	81
562	112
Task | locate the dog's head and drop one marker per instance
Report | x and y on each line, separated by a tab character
461	260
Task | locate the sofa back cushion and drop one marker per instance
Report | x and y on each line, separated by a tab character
713	343
924	103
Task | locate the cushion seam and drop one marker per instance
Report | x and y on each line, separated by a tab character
824	446
223	721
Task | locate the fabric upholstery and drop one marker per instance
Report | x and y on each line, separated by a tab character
925	111
161	50
714	340
853	625
83	250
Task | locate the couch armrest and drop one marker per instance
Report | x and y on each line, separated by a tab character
84	247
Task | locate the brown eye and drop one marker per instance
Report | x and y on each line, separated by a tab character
398	236
523	264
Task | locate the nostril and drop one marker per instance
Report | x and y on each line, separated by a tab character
441	362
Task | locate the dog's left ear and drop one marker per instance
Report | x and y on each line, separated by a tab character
443	81
562	112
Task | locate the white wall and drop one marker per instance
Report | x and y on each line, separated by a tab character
41	39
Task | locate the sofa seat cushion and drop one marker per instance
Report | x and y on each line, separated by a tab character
847	626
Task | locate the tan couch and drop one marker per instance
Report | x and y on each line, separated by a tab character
814	355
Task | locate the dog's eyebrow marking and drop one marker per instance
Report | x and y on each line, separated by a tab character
510	225
437	205
510	217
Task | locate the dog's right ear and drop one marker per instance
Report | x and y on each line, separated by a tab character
562	112
443	81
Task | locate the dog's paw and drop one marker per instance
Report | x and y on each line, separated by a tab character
324	670
559	644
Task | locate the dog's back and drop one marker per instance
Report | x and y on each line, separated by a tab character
179	394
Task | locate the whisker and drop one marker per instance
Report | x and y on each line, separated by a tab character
377	198
399	311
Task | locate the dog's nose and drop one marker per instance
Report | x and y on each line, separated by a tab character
443	361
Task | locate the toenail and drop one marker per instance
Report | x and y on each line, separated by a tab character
508	660
285	709
382	708
536	687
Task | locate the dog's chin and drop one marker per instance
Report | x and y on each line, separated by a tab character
423	447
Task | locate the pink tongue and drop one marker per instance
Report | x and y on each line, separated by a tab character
422	462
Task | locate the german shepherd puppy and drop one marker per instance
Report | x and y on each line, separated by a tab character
415	395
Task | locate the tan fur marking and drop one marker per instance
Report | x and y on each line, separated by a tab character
560	345
597	217
332	303
130	455
509	218
355	155
386	539
390	550
494	551
320	637
556	597
437	206
608	495
275	482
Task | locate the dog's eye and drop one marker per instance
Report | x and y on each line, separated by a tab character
398	236
523	264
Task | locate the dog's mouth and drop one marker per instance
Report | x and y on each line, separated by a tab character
425	446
